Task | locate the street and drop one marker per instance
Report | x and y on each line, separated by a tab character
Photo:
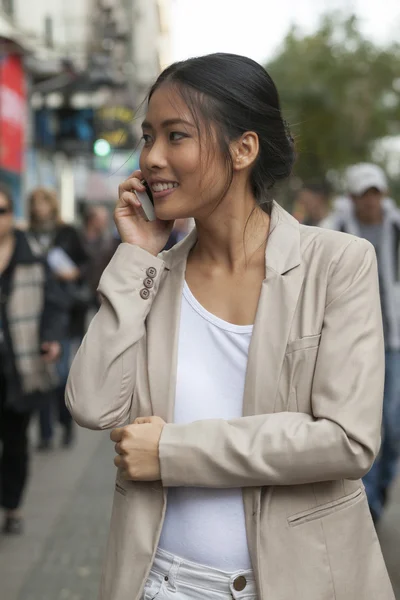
67	510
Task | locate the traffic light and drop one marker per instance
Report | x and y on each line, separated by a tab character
101	148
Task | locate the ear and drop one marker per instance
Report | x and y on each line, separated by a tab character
245	150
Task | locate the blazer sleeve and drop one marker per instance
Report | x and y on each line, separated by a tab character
102	377
342	436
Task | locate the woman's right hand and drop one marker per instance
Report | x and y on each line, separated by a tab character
131	223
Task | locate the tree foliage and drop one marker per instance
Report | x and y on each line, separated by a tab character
339	92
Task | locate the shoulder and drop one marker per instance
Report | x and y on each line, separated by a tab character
329	243
26	252
393	215
66	231
336	259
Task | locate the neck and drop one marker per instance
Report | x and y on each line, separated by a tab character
92	233
44	226
370	219
234	235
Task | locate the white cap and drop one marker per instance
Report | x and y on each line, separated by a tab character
363	177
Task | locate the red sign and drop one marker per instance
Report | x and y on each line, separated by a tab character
13	117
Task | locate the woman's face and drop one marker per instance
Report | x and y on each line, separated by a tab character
187	178
42	209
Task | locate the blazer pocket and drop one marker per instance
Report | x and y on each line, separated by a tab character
304	343
323	510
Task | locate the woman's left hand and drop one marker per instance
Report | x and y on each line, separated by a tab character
137	448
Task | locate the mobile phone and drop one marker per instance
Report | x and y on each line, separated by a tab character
146	200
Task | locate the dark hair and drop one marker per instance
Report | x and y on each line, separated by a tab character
236	94
6	192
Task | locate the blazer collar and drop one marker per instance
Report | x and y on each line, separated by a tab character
283	247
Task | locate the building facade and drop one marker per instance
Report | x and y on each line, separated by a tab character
76	70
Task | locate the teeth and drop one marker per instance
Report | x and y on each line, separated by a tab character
159	187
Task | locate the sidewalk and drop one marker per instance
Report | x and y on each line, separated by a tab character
68	508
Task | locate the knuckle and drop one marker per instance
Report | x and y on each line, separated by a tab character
132	473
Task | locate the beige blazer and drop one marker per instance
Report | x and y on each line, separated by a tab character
311	413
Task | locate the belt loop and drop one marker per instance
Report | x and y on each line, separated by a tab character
172	575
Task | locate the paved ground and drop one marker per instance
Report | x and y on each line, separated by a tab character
67	512
68	508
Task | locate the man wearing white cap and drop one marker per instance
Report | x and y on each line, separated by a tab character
373	216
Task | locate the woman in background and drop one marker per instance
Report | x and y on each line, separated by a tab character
32	322
48	232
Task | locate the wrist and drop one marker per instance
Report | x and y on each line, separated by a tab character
151	250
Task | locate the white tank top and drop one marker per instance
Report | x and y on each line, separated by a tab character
204	525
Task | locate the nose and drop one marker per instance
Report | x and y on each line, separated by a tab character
155	157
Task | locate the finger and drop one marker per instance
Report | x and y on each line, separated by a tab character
141	420
131	184
137	174
129	199
116	434
118	461
118	449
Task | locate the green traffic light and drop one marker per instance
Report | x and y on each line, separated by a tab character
101	148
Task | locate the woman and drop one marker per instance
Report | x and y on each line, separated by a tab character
46	232
32	320
242	371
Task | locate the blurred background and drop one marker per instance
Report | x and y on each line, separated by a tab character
73	77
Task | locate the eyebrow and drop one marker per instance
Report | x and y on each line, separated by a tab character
167	123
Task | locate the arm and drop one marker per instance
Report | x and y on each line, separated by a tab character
342	437
102	377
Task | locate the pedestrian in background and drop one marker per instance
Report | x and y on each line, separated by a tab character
99	246
242	370
32	324
313	201
61	244
377	220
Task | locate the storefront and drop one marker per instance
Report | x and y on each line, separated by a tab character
13	123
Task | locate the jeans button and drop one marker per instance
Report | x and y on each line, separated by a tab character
240	583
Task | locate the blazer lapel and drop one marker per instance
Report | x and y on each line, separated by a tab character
276	307
278	301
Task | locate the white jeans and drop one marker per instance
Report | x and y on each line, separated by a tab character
173	578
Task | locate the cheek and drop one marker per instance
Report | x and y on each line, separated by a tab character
142	165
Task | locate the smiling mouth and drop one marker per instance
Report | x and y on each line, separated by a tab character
161	187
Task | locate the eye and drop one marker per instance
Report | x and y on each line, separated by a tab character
176	136
146	138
